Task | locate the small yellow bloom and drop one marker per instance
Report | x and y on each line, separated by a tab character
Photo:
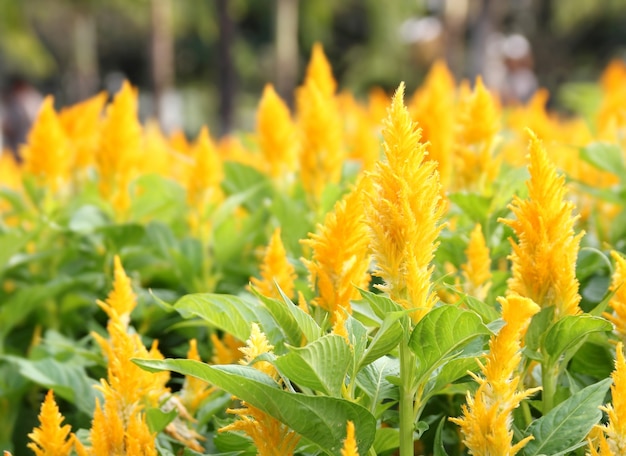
477	269
225	350
205	174
275	268
50	438
319	72
349	444
257	345
618	300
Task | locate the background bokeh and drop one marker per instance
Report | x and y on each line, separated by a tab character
205	62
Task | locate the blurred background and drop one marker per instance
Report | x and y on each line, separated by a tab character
205	62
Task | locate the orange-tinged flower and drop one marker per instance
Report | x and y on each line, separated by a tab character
157	148
349	444
276	134
119	153
339	325
122	299
487	416
226	349
340	259
205	173
50	438
544	256
404	213
47	153
477	269
618	300
275	268
320	72
82	123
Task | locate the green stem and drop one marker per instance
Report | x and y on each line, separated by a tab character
549	378
407	397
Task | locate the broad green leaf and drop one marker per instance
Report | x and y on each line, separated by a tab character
373	379
320	419
474	205
441	334
386	339
571	331
357	334
452	371
387	439
321	365
605	156
568	423
238	178
438	448
228	313
382	305
539	324
306	323
285	319
157	419
87	219
10	244
485	311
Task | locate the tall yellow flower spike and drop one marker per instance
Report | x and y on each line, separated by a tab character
47	154
119	153
618	300
544	256
205	174
320	72
361	136
349	444
612	439
225	350
275	268
404	213
487	416
121	300
477	269
257	345
340	260
50	438
276	134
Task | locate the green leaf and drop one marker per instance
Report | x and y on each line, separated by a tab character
539	324
476	206
321	365
452	371
485	311
387	439
10	244
228	313
570	332
285	319
238	178
157	419
568	423
87	219
441	334
373	379
381	305
606	157
438	448
320	419
386	339
306	323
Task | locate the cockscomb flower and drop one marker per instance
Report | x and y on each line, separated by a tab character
256	345
340	259
361	132
618	300
51	438
349	444
404	212
544	256
487	416
156	146
276	134
612	439
225	350
205	174
477	269
275	268
81	123
47	153
320	72
119	152
122	299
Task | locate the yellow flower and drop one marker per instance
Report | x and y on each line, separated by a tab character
339	325
194	390
205	173
618	300
361	135
276	134
275	268
225	350
157	148
544	256
487	416
612	439
50	438
47	153
119	153
349	444
122	299
477	270
257	345
340	259
319	72
403	213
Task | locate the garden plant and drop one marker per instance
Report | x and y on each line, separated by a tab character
432	273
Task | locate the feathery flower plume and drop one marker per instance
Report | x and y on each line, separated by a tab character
47	154
339	325
156	146
618	300
477	270
544	256
194	390
349	444
320	72
361	136
50	438
81	123
612	439
119	152
205	175
275	268
225	350
404	213
276	134
255	346
340	259
487	416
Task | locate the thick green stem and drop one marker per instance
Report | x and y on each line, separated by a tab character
549	378
407	397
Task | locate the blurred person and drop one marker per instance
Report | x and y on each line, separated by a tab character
21	102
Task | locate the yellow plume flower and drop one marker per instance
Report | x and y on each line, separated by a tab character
339	325
612	440
194	390
82	123
122	299
156	146
361	133
276	134
618	300
275	268
544	256
257	345
320	72
47	154
50	438
477	269
205	174
349	444
340	259
225	350
119	153
404	212
487	416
